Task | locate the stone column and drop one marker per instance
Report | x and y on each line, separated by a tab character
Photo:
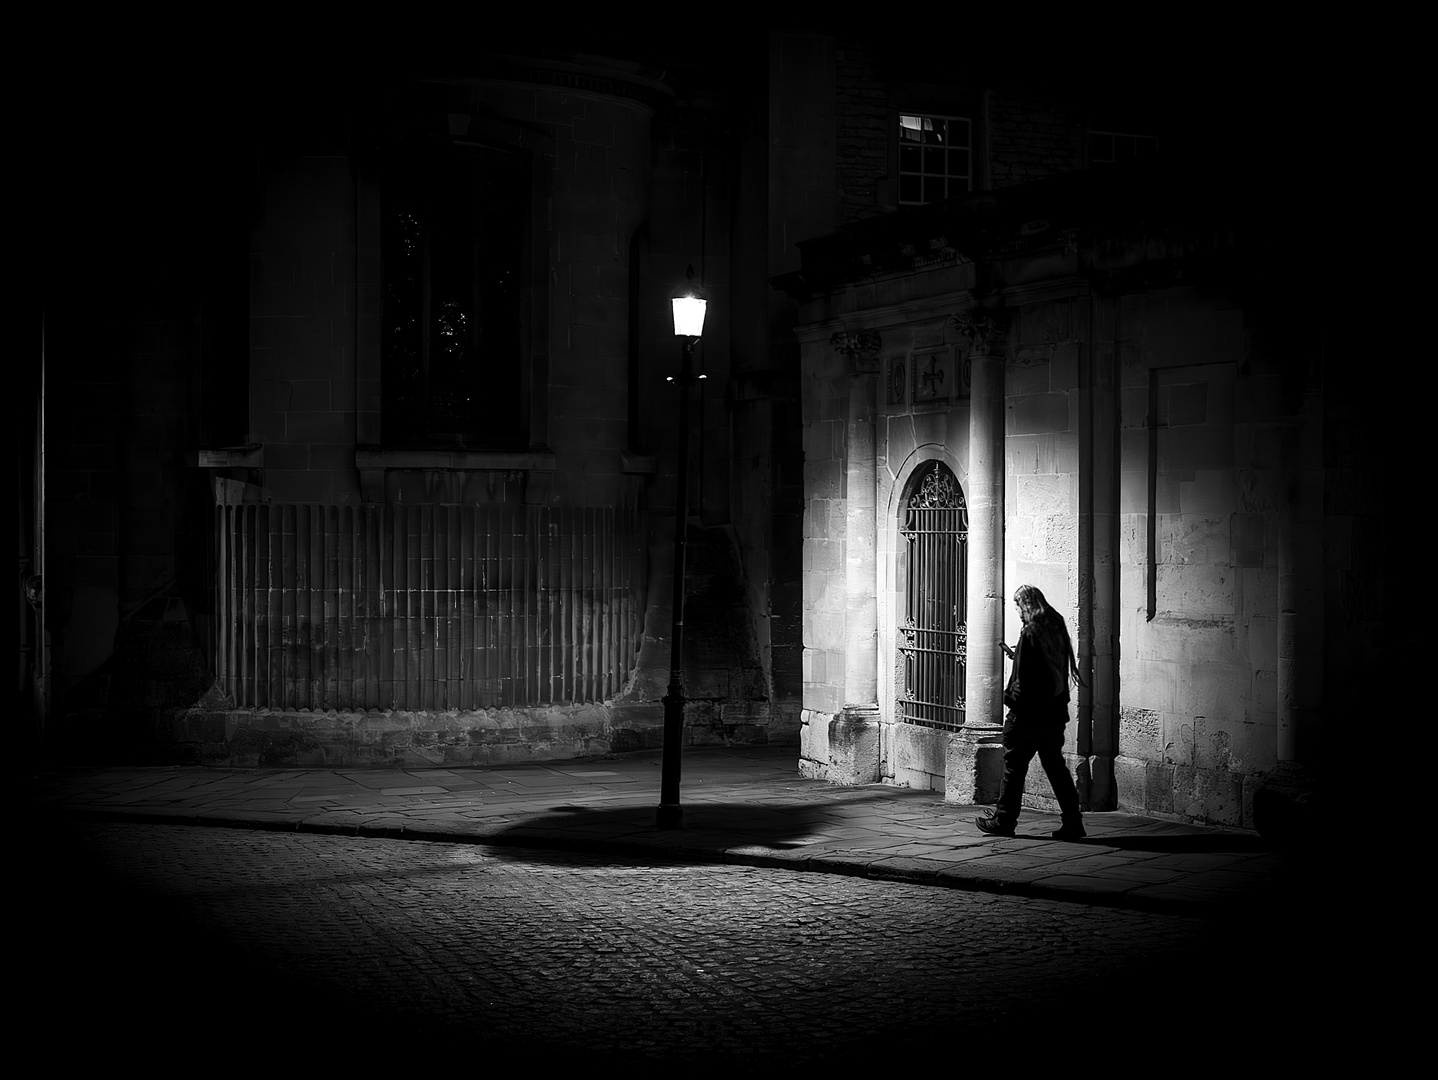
974	765
984	693
854	733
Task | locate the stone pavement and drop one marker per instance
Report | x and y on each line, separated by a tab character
746	805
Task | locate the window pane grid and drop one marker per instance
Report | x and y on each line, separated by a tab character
935	158
1112	146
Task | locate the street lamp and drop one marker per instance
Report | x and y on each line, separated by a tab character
688	326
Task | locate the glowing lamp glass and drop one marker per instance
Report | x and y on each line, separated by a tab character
689	316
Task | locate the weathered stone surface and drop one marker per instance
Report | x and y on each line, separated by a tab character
1144	785
917	756
854	747
814	744
638	726
1140	731
1214	796
254	738
973	766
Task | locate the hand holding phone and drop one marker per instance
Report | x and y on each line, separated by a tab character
1007	651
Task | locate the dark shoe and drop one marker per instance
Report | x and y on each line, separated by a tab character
1070	831
993	826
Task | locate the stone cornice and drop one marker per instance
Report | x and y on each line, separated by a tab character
373	462
1127	219
507	461
887	316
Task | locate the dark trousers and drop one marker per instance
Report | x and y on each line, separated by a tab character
1021	742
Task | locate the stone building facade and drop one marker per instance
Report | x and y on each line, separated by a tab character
414	502
1116	410
1101	367
522	544
957	341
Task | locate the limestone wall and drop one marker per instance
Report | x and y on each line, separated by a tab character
1203	503
1205	452
1154	489
1044	507
918	416
924	418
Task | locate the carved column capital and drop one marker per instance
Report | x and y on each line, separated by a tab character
861	347
986	331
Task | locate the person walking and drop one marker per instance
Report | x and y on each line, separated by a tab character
1037	697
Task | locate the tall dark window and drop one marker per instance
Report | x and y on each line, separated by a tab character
455	219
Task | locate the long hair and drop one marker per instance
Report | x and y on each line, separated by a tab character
1051	631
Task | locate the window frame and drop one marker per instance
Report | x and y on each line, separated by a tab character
1112	159
922	174
373	451
435	263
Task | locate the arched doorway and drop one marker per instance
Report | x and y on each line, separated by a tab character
932	573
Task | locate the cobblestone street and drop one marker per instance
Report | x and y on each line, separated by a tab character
332	948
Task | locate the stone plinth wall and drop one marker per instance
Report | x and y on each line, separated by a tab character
254	738
244	738
916	757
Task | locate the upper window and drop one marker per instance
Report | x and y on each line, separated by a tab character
454	218
1112	146
936	158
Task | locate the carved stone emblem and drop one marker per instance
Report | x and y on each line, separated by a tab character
898	383
933	378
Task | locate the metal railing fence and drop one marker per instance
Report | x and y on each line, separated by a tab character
426	607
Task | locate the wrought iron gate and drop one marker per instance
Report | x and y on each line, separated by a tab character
933	640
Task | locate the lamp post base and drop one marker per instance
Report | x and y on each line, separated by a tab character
669	816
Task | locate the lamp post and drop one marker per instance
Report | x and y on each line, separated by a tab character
688	326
